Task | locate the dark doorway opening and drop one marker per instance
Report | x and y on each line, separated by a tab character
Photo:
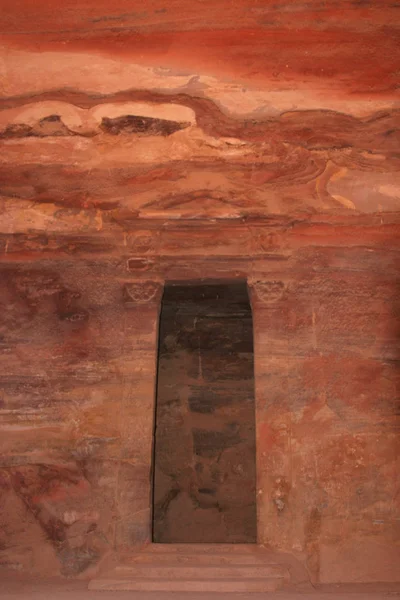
204	488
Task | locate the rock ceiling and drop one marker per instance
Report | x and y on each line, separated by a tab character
116	112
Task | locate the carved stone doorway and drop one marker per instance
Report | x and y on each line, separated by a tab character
204	488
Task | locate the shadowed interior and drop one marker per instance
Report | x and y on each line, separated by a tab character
204	463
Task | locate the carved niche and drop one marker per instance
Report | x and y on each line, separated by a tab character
139	264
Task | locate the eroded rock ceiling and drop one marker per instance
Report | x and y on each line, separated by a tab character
113	112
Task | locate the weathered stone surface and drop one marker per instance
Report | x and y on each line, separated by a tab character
206	141
83	392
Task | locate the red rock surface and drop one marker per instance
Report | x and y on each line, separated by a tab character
215	140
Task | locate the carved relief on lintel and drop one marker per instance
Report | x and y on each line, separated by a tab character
267	292
267	241
142	292
143	242
33	285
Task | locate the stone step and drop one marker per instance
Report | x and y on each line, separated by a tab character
204	548
230	558
201	568
188	585
172	571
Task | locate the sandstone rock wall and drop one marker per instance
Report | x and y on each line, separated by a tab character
79	342
189	141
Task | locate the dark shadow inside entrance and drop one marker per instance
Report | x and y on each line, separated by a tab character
204	450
